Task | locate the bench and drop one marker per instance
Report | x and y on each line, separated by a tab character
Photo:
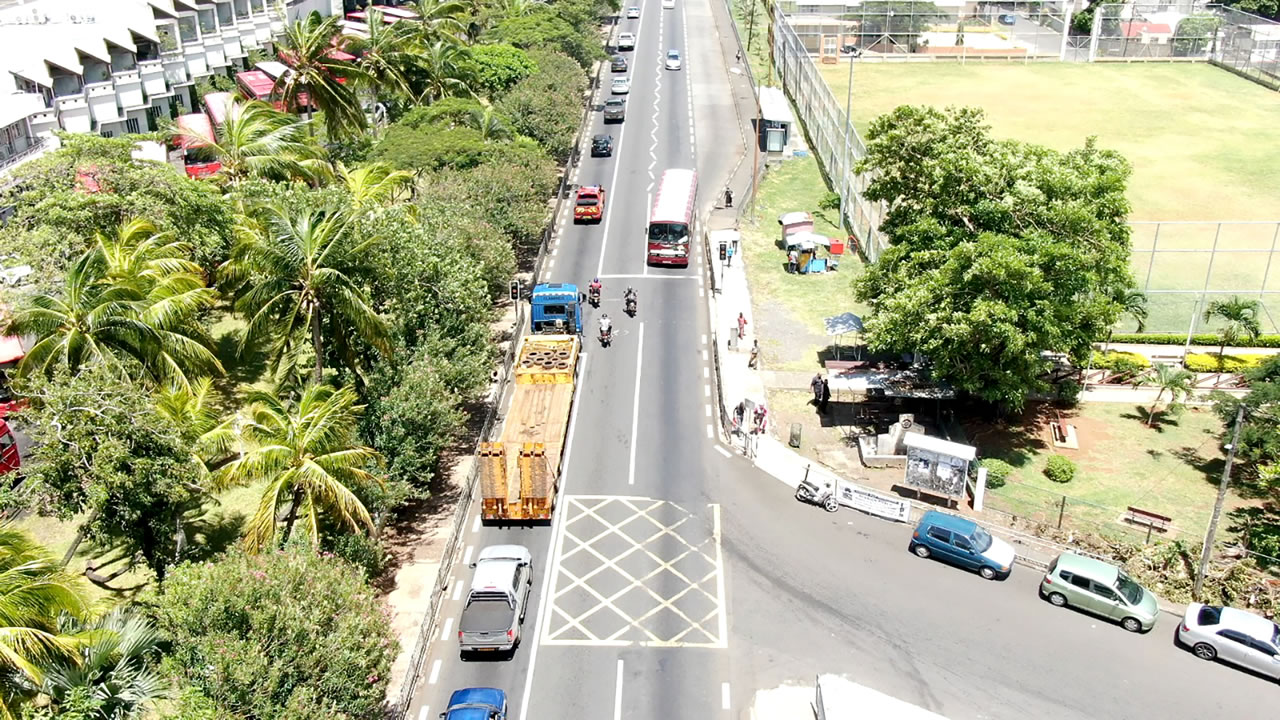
1153	521
1060	429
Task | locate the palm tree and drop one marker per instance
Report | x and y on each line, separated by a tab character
1240	321
310	458
443	73
518	8
440	20
124	298
386	54
374	184
306	46
489	122
209	433
1175	380
34	592
257	141
1132	303
301	269
115	665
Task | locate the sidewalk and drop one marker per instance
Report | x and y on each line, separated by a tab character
738	382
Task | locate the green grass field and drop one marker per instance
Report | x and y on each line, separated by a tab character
1204	144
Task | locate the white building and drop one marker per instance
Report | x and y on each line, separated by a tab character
118	66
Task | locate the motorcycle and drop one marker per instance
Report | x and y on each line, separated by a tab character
606	336
814	494
631	306
593	297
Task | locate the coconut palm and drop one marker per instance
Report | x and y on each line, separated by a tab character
374	184
386	55
301	271
442	72
115	665
1167	378
34	593
490	123
1132	303
518	8
440	20
123	299
258	141
1239	321
310	459
306	46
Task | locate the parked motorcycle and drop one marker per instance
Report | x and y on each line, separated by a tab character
814	494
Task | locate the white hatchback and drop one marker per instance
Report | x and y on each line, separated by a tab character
1235	636
668	4
673	59
621	86
633	12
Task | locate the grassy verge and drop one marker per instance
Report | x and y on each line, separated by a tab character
1171	469
796	304
755	36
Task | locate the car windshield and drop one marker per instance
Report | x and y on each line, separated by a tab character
981	540
673	55
1131	590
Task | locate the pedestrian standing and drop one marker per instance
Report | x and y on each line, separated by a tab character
742	326
826	397
755	354
761	419
815	386
792	261
728	254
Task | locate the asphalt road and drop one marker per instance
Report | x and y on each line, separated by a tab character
676	580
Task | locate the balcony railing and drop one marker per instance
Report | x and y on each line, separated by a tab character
8	162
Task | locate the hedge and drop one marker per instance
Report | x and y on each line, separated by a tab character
998	472
1205	339
1119	361
1208	362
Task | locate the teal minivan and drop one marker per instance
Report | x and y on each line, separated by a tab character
1099	588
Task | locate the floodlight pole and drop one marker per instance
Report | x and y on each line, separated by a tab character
848	126
1217	505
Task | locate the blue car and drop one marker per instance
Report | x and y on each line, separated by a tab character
476	704
961	541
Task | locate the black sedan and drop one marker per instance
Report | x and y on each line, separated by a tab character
618	64
602	146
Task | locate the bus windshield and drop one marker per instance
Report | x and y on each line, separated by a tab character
668	233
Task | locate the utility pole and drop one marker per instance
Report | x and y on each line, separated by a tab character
1217	505
751	23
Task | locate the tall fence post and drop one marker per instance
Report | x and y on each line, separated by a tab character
1062	510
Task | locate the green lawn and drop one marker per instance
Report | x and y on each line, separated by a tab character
1205	144
794	304
1172	469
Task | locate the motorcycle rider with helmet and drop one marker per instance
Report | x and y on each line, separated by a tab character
630	300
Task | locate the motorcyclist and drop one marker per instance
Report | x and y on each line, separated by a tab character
595	286
629	298
606	326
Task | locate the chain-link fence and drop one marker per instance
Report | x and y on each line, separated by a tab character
832	138
1184	266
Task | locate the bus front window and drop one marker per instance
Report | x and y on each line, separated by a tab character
667	233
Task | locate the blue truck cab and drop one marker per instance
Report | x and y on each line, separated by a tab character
476	704
556	308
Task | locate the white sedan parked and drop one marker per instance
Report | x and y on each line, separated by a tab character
1234	636
621	86
673	59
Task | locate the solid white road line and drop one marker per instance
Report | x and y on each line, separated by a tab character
557	535
435	673
617	695
466	556
723	452
424	713
446	629
635	411
724	696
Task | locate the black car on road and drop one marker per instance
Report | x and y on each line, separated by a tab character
602	146
618	64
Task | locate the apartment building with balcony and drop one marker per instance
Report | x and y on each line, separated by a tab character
119	66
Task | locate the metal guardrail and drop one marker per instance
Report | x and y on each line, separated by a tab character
400	707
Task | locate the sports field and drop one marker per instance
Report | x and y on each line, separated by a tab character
1205	144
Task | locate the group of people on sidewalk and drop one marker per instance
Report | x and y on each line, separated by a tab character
821	392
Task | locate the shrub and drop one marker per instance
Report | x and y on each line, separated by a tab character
361	551
1068	392
1059	469
282	634
998	472
1204	339
1211	362
830	201
1120	362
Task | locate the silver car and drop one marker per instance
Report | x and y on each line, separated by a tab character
633	12
1235	636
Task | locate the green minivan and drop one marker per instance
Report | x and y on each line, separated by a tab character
1099	588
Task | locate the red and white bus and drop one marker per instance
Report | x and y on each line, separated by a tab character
215	105
197	136
671	223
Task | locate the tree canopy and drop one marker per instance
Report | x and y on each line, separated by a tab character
999	250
